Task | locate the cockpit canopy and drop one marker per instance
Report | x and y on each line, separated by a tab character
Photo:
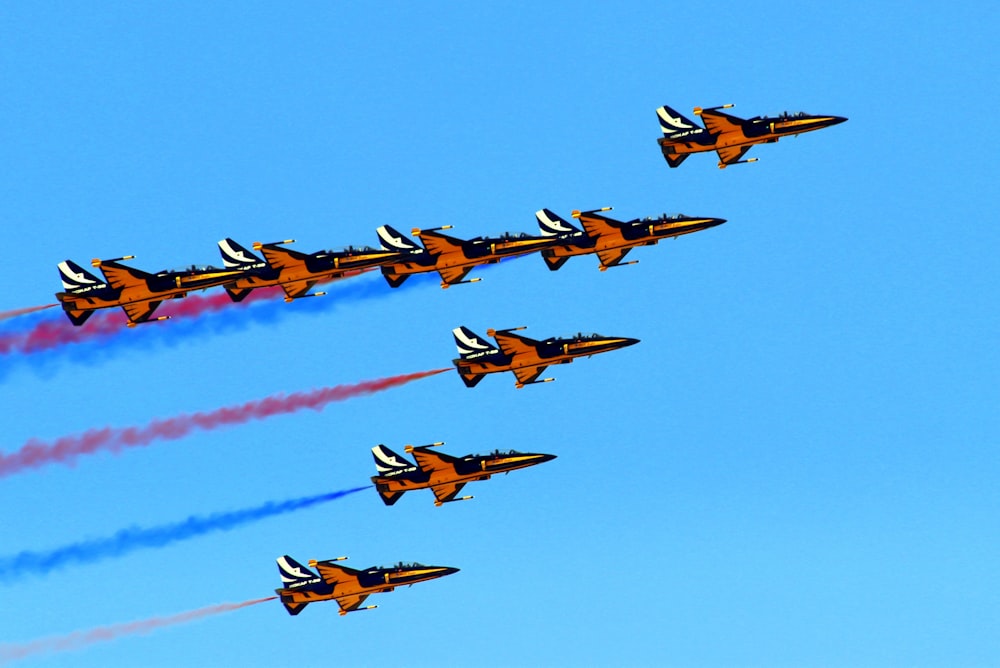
401	565
190	267
351	250
664	216
501	453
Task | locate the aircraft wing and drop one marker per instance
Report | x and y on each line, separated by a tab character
438	244
295	289
596	227
447	492
717	122
282	258
453	274
610	258
731	154
334	574
119	276
512	344
529	374
433	461
140	311
348	603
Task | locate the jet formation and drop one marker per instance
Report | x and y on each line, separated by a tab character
526	358
443	474
347	586
398	257
729	136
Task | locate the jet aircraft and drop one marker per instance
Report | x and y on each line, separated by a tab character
728	135
526	358
442	474
452	258
295	272
610	239
137	292
347	586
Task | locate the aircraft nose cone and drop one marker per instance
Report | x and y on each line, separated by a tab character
448	571
715	222
628	342
838	119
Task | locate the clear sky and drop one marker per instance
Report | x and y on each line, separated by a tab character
796	467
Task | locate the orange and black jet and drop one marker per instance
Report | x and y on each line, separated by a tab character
296	273
728	135
347	586
137	292
611	239
452	258
526	358
442	474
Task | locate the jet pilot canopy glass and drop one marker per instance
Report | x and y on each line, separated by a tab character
664	216
191	267
401	565
501	453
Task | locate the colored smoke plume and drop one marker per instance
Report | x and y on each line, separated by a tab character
65	450
80	639
59	331
6	315
137	538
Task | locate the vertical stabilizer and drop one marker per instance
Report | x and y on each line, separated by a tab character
552	225
76	280
470	345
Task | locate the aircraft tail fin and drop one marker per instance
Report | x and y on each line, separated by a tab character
676	126
470	345
77	280
551	224
393	240
388	462
294	575
235	256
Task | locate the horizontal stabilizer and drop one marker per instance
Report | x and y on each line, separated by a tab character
294	608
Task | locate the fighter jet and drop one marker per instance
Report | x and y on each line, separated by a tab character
347	586
611	239
526	358
442	474
452	258
296	273
137	292
728	135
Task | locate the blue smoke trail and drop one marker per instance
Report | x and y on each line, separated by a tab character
137	538
178	330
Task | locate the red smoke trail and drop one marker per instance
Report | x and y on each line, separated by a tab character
4	315
80	639
103	324
111	322
35	454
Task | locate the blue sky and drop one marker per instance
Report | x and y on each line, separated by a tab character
796	467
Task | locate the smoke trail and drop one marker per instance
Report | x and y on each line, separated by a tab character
137	538
54	339
6	315
35	453
58	331
80	639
